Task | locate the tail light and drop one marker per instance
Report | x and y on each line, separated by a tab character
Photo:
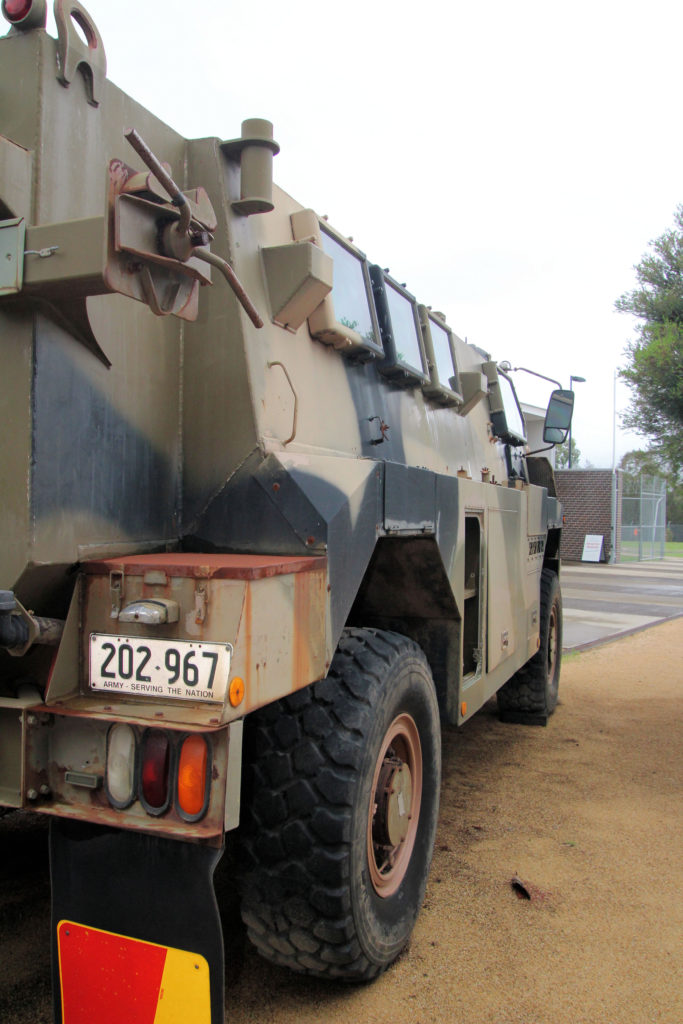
155	768
25	14
194	770
121	765
155	761
16	10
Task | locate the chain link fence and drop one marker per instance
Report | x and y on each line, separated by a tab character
643	518
674	532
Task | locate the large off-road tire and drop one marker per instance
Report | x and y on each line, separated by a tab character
531	695
342	796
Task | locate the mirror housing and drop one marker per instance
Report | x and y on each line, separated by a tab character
558	417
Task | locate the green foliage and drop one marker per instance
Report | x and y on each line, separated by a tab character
562	455
655	369
674	504
651	462
638	463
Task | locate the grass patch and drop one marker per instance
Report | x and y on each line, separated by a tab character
629	550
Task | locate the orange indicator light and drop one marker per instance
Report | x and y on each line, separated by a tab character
192	775
463	708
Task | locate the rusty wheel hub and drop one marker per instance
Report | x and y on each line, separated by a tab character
394	811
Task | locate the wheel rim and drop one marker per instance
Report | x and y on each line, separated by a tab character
552	642
395	805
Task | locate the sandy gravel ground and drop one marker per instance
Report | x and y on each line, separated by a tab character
587	812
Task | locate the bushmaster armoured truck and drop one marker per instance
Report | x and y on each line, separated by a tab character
266	521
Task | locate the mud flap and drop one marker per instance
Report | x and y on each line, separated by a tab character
136	934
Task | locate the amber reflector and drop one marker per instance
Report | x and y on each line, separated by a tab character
236	691
192	768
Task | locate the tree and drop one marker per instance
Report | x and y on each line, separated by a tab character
649	462
655	369
643	462
562	455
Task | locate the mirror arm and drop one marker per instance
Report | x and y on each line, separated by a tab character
537	450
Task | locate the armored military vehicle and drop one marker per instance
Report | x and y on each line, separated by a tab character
266	520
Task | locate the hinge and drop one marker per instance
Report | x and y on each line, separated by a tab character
116	589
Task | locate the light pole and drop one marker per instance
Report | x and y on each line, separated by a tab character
573	380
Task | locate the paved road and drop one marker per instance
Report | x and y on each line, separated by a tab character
604	601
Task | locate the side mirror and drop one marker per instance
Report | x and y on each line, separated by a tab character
558	417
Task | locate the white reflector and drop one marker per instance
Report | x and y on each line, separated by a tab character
120	778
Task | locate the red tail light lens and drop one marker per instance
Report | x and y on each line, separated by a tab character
16	10
193	777
155	757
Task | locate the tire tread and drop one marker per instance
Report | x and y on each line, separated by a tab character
524	697
296	834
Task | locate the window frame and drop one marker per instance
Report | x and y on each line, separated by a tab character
497	411
436	389
323	324
397	370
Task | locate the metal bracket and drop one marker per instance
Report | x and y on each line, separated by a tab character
12	241
73	53
201	600
152	298
116	591
182	239
383	429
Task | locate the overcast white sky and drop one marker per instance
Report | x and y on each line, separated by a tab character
509	161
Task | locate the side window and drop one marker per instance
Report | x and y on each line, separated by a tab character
404	358
513	413
444	384
506	414
350	289
346	318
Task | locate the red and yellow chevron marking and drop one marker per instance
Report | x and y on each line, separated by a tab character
112	978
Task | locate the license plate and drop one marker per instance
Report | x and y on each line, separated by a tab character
180	669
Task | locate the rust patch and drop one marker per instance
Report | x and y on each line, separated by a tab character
246	637
238	567
308	626
192	718
301	659
212	834
84	741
